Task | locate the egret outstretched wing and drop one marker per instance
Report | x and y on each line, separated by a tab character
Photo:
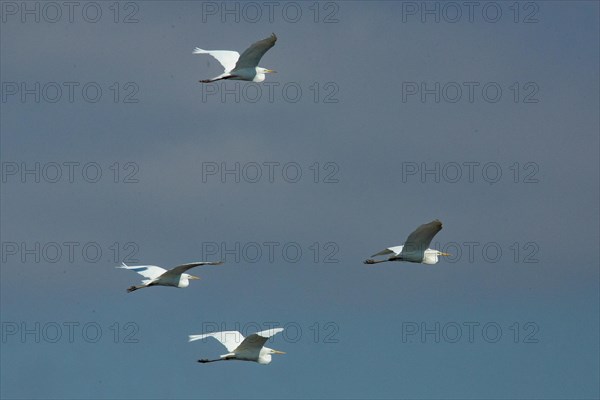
180	269
252	55
423	235
252	345
383	253
227	58
234	341
418	241
390	250
147	271
230	339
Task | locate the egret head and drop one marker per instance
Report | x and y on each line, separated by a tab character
260	74
265	355
185	279
431	256
265	70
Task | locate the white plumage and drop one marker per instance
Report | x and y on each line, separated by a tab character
244	67
250	348
157	276
416	248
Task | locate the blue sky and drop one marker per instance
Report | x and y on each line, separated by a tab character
379	119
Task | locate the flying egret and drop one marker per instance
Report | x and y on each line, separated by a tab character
244	67
416	248
157	276
240	348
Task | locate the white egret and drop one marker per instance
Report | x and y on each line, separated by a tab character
416	248
244	67
157	276
240	348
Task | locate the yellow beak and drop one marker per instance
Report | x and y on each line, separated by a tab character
278	352
193	277
270	71
445	254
